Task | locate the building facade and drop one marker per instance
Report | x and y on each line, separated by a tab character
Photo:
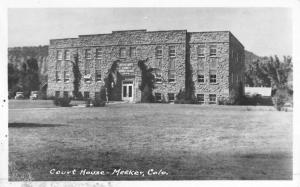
212	62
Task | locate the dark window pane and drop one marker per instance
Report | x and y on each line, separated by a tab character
86	95
130	91
158	96
124	91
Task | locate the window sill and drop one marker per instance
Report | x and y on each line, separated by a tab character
88	82
66	81
213	83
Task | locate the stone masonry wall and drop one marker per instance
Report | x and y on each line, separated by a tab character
237	66
145	43
228	66
221	41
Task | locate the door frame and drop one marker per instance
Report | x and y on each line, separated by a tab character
130	99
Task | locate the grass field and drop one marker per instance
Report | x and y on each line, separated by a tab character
187	141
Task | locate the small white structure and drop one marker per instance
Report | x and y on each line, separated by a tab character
263	91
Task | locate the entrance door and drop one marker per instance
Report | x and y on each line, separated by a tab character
127	90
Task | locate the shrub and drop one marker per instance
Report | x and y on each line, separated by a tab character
224	101
63	102
98	102
88	102
280	98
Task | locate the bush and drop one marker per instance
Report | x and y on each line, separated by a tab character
224	101
280	98
63	102
88	102
98	102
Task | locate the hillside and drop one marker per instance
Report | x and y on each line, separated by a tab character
18	55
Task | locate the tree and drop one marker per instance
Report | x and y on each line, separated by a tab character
111	79
77	76
30	76
147	83
13	76
278	71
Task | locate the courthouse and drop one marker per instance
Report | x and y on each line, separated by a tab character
213	62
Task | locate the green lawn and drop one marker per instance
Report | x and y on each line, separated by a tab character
187	141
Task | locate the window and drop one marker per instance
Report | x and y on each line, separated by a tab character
87	75
66	94
67	55
86	95
200	71
212	78
213	64
122	52
200	50
98	75
157	97
56	94
158	52
59	55
213	50
200	78
158	76
171	73
66	76
99	53
212	99
200	98
58	65
172	52
88	53
86	68
171	97
132	52
57	76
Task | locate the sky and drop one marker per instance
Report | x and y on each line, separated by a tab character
264	31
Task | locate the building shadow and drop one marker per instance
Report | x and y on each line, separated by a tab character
32	125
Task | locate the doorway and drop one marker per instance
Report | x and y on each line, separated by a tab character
127	90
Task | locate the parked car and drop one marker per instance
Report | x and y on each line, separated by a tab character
19	95
34	95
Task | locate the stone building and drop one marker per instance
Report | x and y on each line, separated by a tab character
211	64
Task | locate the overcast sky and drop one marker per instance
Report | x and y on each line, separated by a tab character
264	31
